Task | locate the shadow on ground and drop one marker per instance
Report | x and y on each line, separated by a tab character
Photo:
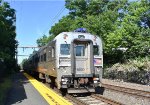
17	93
99	90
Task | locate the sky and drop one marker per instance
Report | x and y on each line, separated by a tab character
33	19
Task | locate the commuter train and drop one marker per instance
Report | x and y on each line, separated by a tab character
71	61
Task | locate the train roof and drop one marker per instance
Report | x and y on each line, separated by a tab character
82	32
73	33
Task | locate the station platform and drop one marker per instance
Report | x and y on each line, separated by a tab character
28	91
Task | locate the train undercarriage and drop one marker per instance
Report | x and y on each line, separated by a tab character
73	84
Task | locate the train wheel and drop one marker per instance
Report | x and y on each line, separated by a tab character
52	84
63	91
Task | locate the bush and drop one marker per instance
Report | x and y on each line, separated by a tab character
134	70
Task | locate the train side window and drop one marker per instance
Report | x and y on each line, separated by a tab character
53	52
38	59
41	58
96	50
65	49
44	57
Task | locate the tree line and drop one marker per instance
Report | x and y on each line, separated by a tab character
122	24
8	43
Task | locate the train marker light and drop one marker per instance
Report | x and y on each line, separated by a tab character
95	79
97	61
65	36
81	36
95	37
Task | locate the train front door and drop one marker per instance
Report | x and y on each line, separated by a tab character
83	59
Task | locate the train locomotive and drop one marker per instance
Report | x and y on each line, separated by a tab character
71	61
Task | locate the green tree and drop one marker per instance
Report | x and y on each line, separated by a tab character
77	7
120	23
64	25
8	44
42	41
130	33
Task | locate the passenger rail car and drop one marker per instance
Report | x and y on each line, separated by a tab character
72	61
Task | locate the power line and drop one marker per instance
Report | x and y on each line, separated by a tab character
54	19
28	47
31	47
23	55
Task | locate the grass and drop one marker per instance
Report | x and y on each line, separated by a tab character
4	88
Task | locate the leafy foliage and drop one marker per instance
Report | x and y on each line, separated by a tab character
121	24
8	44
42	41
63	25
134	70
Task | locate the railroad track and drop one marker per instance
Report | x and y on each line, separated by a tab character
92	99
130	91
87	99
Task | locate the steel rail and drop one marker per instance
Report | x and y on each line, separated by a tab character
77	101
95	96
140	93
106	100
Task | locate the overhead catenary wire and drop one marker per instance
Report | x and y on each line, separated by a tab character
54	19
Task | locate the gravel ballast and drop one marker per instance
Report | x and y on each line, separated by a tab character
123	97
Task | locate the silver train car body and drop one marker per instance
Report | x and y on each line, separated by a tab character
72	61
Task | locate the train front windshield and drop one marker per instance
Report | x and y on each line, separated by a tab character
80	50
65	49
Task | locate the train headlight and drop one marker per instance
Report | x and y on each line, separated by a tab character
95	81
64	81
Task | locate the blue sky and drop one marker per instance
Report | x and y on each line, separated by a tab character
35	18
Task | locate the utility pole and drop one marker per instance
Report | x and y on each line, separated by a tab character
25	47
22	55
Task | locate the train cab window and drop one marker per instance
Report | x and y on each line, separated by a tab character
37	59
41	58
44	57
96	50
80	50
65	49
